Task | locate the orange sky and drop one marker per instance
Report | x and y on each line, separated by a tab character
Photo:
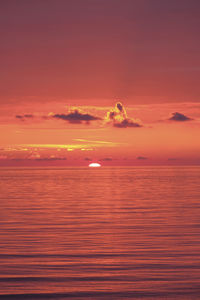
66	64
143	134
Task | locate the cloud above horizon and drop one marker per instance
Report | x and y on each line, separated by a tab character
24	117
118	117
142	157
178	117
76	116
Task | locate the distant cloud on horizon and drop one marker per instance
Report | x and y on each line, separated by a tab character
106	159
142	158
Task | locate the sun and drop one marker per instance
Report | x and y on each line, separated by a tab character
94	165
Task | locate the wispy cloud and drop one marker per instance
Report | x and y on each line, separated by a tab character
34	150
105	143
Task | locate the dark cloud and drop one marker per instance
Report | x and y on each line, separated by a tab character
76	116
106	159
119	106
178	117
118	117
28	116
88	159
142	158
126	123
111	115
24	117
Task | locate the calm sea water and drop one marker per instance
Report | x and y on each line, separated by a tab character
104	233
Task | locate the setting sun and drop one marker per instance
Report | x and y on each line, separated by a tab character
94	165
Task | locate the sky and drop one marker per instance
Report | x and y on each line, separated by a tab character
110	81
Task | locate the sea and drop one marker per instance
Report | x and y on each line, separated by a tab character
100	233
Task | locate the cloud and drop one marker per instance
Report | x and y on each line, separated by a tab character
96	143
118	117
24	117
142	158
178	117
120	106
75	116
126	123
106	159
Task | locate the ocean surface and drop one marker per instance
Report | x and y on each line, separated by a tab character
100	233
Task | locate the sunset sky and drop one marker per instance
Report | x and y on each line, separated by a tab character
110	81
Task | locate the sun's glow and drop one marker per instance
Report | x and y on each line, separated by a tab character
94	165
